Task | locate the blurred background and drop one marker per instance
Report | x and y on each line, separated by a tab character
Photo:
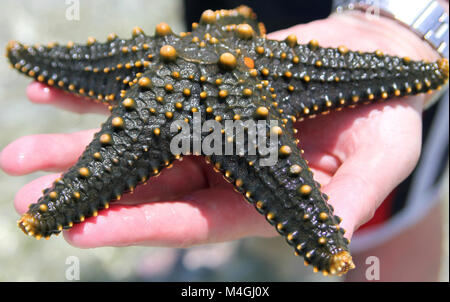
25	259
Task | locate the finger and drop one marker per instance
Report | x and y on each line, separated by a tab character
305	36
47	152
319	30
211	215
377	163
31	192
42	94
184	177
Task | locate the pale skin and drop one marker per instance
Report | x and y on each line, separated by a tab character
359	156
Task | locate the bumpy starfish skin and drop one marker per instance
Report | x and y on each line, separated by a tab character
224	69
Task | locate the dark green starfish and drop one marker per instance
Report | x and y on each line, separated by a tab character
224	69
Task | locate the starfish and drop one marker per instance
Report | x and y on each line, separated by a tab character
224	69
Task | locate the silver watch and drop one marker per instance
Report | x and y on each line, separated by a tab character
425	17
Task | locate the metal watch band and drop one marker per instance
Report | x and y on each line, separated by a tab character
426	17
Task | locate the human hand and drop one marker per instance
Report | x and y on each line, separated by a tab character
359	155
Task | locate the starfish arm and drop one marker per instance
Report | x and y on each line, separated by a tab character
290	199
222	23
307	79
132	145
95	70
